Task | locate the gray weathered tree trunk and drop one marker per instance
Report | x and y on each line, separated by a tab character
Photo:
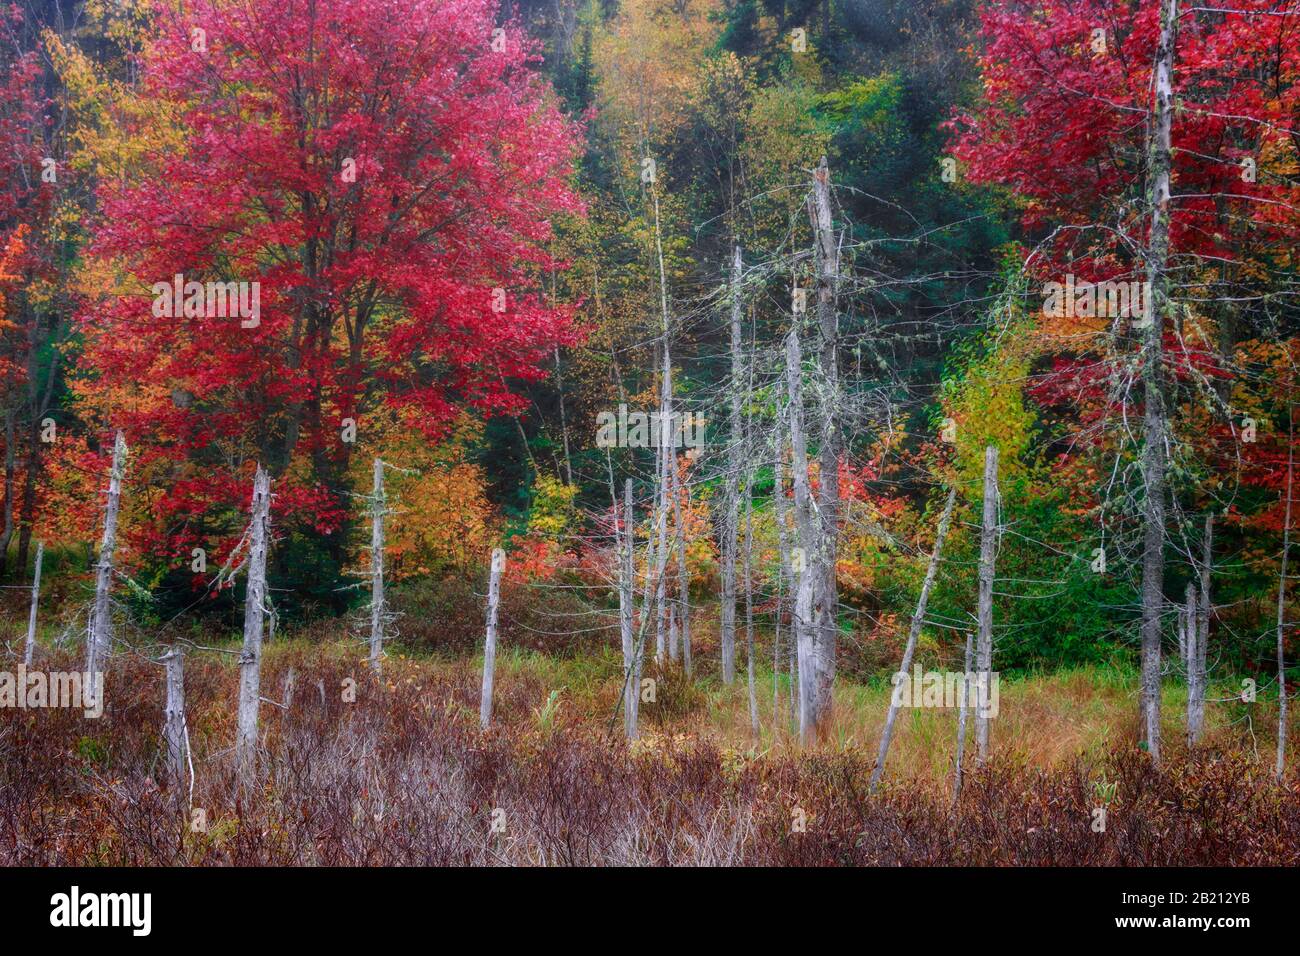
666	431
174	715
731	484
490	640
826	592
749	603
802	616
627	612
378	506
30	648
101	617
683	577
783	564
988	556
665	454
1155	416
250	659
914	633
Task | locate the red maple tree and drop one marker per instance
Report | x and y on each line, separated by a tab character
387	172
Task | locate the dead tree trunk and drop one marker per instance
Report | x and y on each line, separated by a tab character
174	715
101	620
802	616
665	454
731	502
1279	767
787	567
377	610
671	493
490	640
913	633
1155	416
250	660
826	592
627	611
749	604
30	647
666	430
783	566
683	575
961	720
988	555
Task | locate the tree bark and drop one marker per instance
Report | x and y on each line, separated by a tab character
250	659
802	617
174	715
683	574
826	592
490	640
914	633
988	556
30	648
731	502
626	613
783	566
100	640
1155	416
749	604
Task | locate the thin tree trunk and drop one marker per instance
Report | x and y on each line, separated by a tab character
913	633
749	604
101	621
1280	765
1184	646
626	612
250	660
666	430
490	640
988	555
1155	416
30	647
680	489
661	497
826	593
174	715
783	567
961	720
731	502
378	507
670	474
802	618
